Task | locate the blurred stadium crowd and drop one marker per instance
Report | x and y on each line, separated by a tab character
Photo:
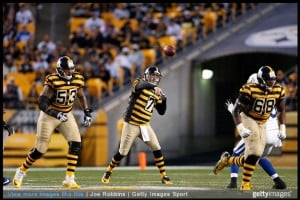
111	43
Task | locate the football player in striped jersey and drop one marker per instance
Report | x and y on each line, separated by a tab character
56	101
251	111
272	140
145	96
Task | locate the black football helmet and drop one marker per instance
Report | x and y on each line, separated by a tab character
266	77
152	70
65	67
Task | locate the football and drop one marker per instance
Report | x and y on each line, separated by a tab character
169	50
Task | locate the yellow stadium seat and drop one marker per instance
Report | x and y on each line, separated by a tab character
94	87
31	27
173	14
167	40
133	24
75	22
152	40
30	76
189	33
21	45
186	25
107	16
174	8
39	88
5	43
119	23
157	15
21	81
114	52
82	51
150	56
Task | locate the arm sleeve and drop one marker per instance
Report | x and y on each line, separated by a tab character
162	107
44	103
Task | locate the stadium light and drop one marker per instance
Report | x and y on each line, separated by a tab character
207	74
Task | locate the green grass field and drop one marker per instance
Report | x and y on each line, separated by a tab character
188	182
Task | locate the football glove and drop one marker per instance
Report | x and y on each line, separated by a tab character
9	129
229	105
282	132
87	117
62	117
243	131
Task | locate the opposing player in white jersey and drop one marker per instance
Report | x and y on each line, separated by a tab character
272	140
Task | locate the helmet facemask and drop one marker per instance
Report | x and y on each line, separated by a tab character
65	67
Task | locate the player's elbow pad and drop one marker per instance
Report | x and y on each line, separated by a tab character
44	103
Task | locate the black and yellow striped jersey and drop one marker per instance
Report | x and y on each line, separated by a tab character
65	91
142	101
260	101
